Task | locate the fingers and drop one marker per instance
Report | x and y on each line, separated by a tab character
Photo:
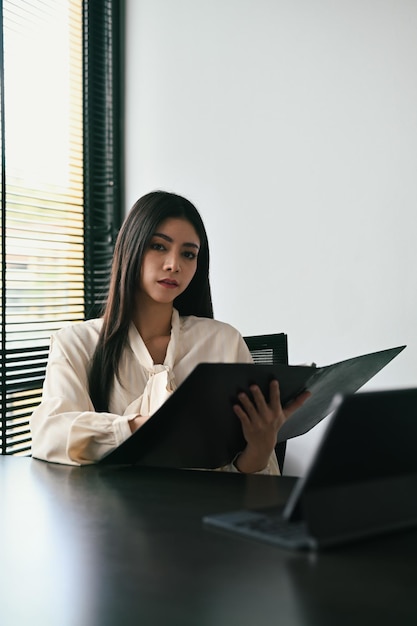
274	395
258	397
261	420
257	404
295	404
242	415
259	401
246	410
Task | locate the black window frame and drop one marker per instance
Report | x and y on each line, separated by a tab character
103	134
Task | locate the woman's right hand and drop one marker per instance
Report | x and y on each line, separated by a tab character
137	422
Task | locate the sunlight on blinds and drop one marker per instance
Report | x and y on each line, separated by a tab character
44	223
44	186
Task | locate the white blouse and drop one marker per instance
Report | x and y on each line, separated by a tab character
66	428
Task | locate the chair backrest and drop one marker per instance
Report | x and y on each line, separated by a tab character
269	350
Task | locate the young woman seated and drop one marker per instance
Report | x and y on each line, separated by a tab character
105	377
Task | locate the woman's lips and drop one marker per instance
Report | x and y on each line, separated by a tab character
169	284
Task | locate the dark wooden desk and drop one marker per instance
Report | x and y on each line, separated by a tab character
109	546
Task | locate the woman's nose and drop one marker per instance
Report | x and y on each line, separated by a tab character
172	263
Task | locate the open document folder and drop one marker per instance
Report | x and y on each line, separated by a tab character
197	428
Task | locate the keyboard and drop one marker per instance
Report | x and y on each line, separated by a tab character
268	526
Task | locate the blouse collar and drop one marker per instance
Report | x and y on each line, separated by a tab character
141	351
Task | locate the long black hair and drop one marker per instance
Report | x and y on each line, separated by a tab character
132	242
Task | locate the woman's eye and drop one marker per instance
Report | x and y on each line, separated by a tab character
190	255
157	246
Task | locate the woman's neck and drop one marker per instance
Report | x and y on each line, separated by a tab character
153	320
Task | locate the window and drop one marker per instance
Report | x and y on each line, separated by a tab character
60	193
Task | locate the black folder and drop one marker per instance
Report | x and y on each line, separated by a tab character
197	428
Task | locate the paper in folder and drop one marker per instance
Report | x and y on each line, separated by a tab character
197	428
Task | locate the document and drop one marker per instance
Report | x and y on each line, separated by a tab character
197	427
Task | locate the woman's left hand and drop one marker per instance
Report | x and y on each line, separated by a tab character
261	421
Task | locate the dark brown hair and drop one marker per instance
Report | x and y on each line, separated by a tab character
131	244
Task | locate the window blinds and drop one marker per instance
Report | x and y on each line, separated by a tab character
42	197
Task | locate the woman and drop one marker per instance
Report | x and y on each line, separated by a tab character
105	377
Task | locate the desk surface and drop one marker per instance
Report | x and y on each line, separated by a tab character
113	546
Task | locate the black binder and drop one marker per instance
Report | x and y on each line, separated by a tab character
197	428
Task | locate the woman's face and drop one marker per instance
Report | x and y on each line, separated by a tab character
170	261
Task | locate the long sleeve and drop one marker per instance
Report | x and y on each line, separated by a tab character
65	427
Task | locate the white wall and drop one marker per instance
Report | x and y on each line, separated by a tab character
292	125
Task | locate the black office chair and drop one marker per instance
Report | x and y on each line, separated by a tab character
269	350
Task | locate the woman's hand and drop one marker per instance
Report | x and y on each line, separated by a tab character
261	421
137	422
